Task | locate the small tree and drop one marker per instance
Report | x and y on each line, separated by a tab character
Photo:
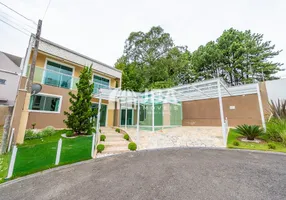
80	118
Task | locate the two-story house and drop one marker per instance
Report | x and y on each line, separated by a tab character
57	70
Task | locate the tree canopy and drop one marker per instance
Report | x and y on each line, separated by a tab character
152	60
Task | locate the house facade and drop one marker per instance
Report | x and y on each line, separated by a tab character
10	71
58	70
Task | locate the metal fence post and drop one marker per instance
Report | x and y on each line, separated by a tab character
59	151
12	162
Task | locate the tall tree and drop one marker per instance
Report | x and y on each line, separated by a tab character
80	117
151	60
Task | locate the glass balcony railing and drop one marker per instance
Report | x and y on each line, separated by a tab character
53	78
57	79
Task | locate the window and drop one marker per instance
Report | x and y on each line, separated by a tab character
143	113
2	81
99	82
58	75
45	103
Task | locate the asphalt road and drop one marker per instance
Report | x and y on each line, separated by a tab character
161	174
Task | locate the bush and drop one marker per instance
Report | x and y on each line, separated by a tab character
271	146
48	131
250	131
117	130
102	138
132	146
235	143
69	133
275	130
30	134
126	136
100	148
278	109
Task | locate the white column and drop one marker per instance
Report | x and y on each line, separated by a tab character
119	124
153	114
93	144
11	139
138	120
261	107
126	105
98	118
221	112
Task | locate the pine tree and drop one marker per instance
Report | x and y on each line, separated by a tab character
80	119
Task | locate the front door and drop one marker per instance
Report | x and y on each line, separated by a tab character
103	112
129	117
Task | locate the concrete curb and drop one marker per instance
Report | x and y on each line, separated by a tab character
133	152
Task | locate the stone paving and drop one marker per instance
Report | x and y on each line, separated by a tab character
185	136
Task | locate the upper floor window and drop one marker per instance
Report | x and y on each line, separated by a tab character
58	75
100	82
2	81
42	102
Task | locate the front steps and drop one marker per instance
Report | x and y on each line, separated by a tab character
114	142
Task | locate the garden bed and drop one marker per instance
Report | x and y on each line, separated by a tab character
233	136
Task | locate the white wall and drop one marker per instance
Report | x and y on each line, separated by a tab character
276	89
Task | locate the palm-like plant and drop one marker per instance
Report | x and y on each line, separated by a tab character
250	131
278	109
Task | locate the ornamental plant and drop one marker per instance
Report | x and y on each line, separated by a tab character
80	118
250	131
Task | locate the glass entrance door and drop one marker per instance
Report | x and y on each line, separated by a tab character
103	112
129	117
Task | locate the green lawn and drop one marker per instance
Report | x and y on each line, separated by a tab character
40	154
232	136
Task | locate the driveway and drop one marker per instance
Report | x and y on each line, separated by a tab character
177	173
184	136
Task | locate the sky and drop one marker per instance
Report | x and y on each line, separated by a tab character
99	28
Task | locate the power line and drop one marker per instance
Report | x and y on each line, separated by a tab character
10	21
17	13
15	27
47	9
17	20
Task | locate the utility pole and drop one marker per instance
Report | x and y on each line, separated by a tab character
25	111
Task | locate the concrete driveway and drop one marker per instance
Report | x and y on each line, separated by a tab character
177	173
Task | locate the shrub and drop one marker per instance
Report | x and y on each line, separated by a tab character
100	148
102	138
250	131
235	143
117	130
30	134
126	136
275	130
132	146
48	131
69	133
278	109
271	146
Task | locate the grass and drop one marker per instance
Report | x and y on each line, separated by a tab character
232	136
40	154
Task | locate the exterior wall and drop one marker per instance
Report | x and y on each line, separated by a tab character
276	89
206	112
4	110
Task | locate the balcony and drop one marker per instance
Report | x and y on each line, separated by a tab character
57	79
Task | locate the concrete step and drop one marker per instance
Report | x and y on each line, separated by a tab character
115	143
112	149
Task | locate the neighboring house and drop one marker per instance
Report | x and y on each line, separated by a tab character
9	79
57	70
276	90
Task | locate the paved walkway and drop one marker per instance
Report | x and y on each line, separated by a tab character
167	174
185	136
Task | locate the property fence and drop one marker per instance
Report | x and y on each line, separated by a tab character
38	157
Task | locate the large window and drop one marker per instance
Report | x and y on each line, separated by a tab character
99	82
58	75
45	103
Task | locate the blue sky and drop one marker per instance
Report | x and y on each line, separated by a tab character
99	28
